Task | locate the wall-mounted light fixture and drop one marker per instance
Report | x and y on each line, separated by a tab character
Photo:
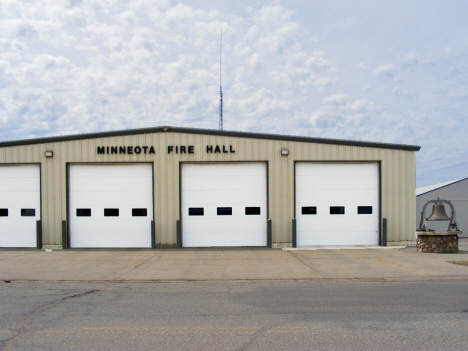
49	154
284	152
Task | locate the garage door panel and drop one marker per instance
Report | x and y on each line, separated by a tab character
237	186
325	200
325	215
20	171
110	199
100	187
227	182
204	239
322	198
109	185
108	171
222	197
336	168
13	185
332	169
350	185
336	182
125	212
230	225
18	226
317	183
323	209
14	213
348	238
90	239
238	212
18	233
110	233
338	224
114	226
234	240
21	199
214	169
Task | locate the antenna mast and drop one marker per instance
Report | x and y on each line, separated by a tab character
220	87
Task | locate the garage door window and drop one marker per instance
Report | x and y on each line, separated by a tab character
309	210
252	211
28	212
111	212
337	210
3	212
364	210
139	212
83	212
224	211
196	211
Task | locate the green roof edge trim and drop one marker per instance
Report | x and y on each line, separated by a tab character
168	129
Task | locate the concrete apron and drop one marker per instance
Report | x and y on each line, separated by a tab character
225	264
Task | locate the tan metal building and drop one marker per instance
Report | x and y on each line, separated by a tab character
180	187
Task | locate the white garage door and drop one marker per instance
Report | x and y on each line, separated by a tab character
337	204
224	204
20	205
111	205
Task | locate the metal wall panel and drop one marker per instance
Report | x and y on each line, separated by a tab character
457	193
397	176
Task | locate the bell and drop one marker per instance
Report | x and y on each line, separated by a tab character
438	213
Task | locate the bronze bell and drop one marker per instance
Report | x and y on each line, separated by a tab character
438	213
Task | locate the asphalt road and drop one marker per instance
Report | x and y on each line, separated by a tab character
240	315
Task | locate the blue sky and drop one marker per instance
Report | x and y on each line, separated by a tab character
362	70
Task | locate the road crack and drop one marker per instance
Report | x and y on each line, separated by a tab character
79	295
138	265
310	268
26	328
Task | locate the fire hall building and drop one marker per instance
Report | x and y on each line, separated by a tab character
169	187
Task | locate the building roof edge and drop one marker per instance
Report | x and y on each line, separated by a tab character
169	129
433	187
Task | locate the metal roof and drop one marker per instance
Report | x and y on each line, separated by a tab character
426	189
169	129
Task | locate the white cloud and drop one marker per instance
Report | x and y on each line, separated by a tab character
324	83
410	59
70	67
385	71
336	100
317	62
256	61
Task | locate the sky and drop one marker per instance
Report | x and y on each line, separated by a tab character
377	71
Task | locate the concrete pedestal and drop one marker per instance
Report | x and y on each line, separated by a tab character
437	242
